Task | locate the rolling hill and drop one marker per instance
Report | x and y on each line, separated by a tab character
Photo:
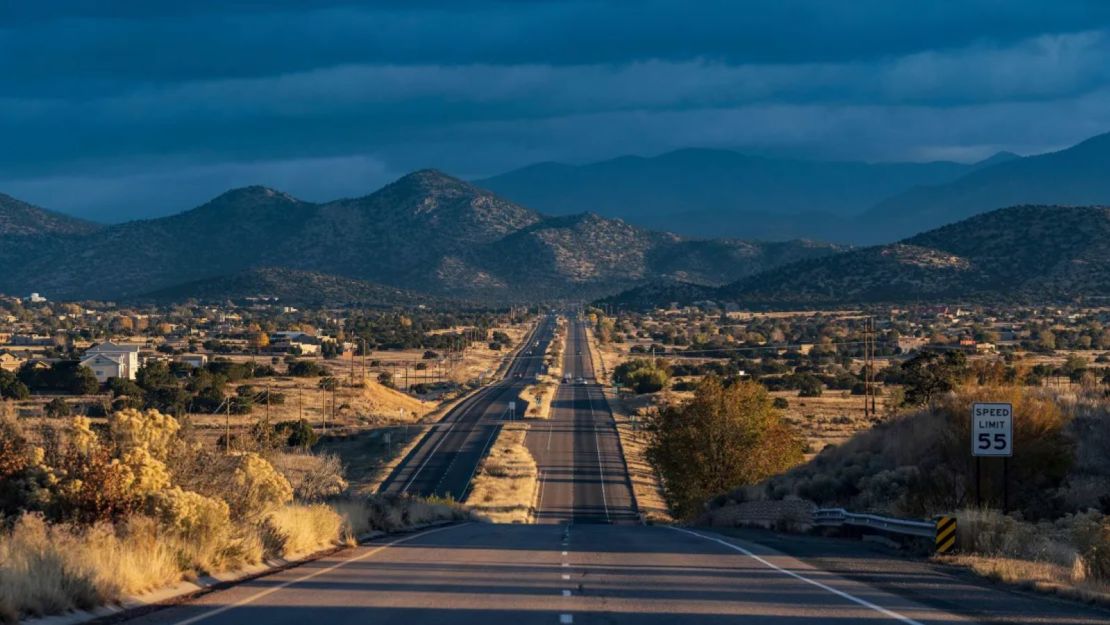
1019	254
426	233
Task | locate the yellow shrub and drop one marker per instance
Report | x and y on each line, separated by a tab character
257	487
151	430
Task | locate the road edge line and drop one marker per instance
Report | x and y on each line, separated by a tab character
840	593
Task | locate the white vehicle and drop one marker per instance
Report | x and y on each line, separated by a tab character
580	381
566	379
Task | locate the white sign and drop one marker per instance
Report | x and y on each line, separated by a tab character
992	430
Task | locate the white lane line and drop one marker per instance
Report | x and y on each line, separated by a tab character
566	619
269	591
840	593
564	553
597	446
566	593
566	564
566	577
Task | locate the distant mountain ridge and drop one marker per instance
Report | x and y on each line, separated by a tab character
705	192
1015	254
426	233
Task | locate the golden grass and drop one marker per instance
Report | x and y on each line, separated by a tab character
504	490
298	530
48	569
1033	575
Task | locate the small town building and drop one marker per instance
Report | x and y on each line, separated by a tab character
112	360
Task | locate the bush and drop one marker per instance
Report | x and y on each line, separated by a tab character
295	530
723	438
306	369
296	433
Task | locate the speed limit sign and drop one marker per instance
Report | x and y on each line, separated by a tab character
992	430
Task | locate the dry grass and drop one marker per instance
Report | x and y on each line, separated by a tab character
504	490
539	396
298	530
397	513
1039	576
49	569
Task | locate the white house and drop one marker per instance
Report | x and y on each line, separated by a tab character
111	360
193	360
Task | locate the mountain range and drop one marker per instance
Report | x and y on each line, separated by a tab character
1016	254
722	193
426	233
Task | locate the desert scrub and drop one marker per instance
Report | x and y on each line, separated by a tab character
100	513
917	464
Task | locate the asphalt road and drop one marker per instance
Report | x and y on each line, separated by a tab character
583	477
444	462
479	574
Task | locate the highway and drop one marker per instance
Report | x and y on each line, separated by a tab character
583	478
445	460
588	561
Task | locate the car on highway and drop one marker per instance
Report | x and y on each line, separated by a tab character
580	381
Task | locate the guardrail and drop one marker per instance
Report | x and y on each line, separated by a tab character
835	517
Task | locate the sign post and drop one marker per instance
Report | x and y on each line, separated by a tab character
992	436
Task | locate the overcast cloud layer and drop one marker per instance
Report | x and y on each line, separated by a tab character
149	108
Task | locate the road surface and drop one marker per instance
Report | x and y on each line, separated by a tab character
482	574
444	462
583	477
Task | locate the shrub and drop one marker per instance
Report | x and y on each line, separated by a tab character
256	488
723	438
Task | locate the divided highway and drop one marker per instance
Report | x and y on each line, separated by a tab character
444	462
588	560
583	477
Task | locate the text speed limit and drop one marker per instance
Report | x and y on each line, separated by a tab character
992	430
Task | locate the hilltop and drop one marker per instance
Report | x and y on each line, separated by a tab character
426	233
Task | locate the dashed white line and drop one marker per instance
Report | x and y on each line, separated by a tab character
840	593
566	593
566	577
566	619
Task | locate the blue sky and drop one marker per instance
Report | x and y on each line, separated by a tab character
129	109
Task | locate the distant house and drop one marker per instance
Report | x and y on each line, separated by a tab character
295	342
193	360
10	362
112	360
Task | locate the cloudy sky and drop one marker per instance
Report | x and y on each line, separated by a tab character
150	107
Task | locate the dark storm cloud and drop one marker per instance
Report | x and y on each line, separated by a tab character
105	107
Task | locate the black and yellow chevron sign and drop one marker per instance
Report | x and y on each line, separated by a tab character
946	533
